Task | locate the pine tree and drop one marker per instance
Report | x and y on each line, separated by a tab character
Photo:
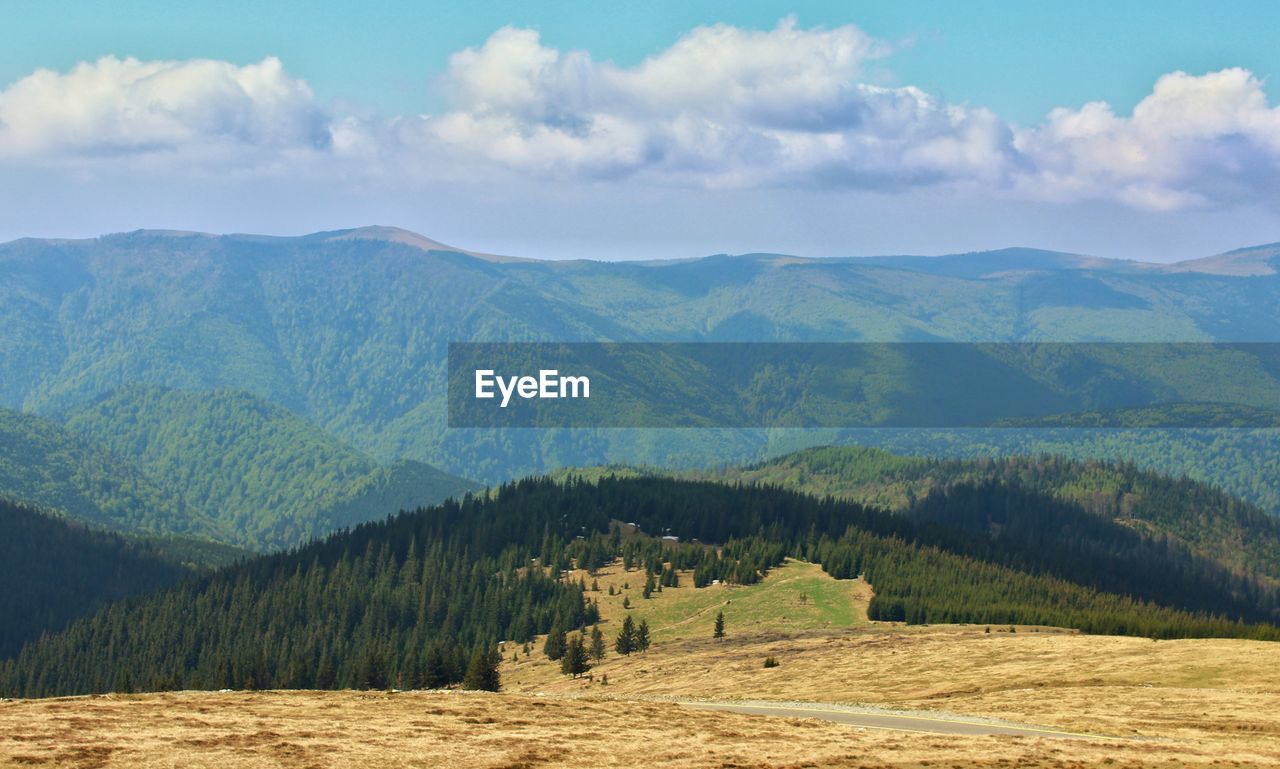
642	636
626	602
626	642
649	585
554	647
373	671
574	663
719	632
597	644
482	671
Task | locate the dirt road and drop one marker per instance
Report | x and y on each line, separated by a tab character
876	719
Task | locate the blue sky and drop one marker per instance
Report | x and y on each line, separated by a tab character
1018	58
602	164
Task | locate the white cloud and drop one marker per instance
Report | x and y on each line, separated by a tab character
722	107
127	107
1193	140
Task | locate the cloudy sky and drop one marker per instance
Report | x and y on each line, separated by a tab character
657	129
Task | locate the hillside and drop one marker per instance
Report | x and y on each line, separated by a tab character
1208	520
1178	703
1242	462
265	476
408	600
53	571
43	463
349	329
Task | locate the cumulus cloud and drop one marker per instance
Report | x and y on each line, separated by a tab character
721	107
127	107
1193	140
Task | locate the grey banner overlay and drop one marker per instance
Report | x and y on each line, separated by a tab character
851	384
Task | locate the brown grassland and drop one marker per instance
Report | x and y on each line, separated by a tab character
1205	703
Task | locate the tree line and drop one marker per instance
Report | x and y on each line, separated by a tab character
423	599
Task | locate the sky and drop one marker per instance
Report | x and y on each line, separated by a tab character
648	130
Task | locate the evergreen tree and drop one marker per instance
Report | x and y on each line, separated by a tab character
597	644
575	662
649	585
719	631
642	636
482	671
626	642
373	671
554	647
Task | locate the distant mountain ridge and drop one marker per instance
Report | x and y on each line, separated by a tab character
349	329
1245	261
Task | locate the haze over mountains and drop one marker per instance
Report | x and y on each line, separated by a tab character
349	329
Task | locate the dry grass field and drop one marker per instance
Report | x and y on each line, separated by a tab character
480	731
1205	703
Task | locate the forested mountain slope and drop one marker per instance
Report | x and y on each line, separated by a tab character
349	329
266	476
44	463
402	602
1244	462
1215	524
53	570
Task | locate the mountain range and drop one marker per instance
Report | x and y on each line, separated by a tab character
177	401
348	329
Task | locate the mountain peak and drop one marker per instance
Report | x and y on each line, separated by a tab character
1242	262
408	238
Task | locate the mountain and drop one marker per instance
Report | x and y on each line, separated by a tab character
1211	522
53	570
45	464
1242	462
266	477
402	602
349	329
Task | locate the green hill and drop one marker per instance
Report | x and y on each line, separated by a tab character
1243	462
43	463
1210	521
1214	523
402	602
267	477
53	570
